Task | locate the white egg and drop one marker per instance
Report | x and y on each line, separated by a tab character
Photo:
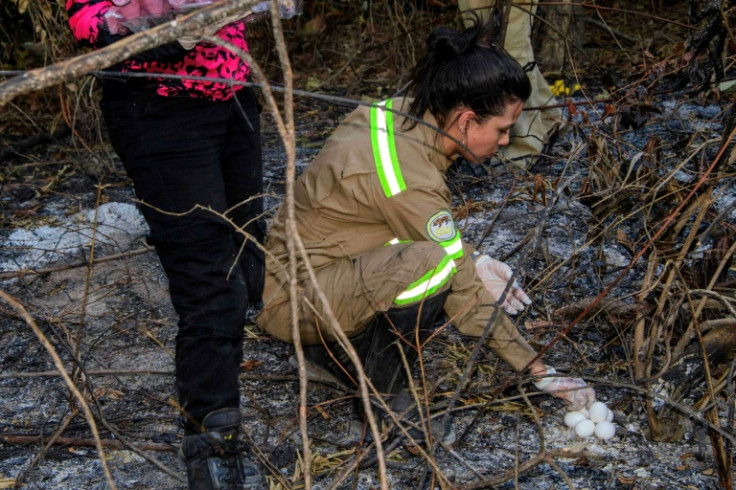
598	412
605	430
585	428
572	418
609	416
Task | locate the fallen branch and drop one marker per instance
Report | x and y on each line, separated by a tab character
612	307
85	442
75	67
72	387
82	263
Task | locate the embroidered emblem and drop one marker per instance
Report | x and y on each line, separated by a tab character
440	226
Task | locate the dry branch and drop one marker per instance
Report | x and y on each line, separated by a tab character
59	365
546	456
82	263
109	55
86	442
611	306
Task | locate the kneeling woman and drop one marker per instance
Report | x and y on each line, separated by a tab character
373	211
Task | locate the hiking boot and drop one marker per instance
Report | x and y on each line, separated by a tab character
386	347
215	457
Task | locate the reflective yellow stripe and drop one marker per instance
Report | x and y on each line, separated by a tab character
454	246
396	241
384	149
428	283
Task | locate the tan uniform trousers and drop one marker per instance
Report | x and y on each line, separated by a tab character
357	288
533	128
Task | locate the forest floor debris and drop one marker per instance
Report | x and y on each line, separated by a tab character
125	337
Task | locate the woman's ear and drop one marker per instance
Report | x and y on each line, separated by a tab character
464	119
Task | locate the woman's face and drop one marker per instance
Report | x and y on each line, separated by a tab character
483	138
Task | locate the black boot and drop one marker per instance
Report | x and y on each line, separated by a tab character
393	332
214	457
380	348
385	365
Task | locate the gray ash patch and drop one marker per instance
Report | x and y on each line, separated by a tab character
128	330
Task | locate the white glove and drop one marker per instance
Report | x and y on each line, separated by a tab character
495	275
573	391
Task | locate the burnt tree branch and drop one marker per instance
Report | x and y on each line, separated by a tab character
66	70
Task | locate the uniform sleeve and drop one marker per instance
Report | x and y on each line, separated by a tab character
426	215
471	306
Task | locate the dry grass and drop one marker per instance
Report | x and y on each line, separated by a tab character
654	196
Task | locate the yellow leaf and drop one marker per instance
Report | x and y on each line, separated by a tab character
560	88
313	83
22	6
314	26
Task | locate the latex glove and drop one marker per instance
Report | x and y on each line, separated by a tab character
495	275
573	391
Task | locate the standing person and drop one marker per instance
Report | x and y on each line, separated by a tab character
193	149
373	211
534	128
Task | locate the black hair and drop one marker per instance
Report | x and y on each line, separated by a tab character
465	69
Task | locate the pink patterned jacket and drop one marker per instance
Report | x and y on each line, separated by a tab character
86	19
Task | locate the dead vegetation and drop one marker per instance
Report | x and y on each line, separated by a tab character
647	153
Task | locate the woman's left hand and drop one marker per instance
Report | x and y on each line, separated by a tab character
495	276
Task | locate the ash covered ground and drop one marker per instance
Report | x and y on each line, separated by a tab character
538	221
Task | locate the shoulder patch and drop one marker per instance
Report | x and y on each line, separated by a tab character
441	227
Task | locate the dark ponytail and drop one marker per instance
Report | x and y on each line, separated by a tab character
465	69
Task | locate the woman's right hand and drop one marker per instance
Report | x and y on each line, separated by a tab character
575	392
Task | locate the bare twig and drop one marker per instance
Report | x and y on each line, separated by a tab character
101	372
109	55
46	445
60	366
81	441
82	263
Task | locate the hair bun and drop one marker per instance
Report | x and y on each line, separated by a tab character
446	44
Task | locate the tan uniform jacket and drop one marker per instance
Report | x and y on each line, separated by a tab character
342	211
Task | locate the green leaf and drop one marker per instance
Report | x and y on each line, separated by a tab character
728	86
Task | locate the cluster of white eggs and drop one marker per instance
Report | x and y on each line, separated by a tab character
596	419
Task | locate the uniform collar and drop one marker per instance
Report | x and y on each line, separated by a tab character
432	140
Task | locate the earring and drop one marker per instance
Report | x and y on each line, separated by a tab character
462	132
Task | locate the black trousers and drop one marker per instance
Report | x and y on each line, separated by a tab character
192	157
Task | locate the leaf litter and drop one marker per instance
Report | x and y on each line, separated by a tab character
129	321
572	225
